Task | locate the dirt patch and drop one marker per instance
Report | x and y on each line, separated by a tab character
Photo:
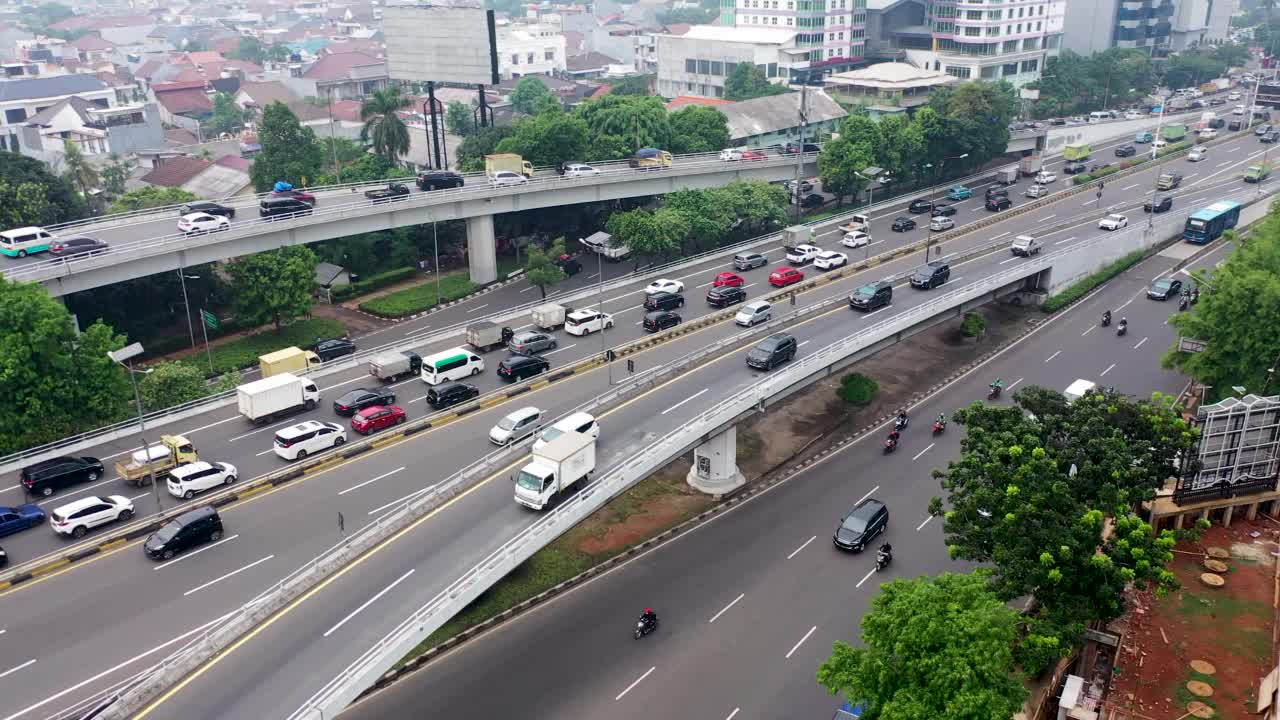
1230	628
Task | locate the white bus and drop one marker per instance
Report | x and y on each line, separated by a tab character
453	364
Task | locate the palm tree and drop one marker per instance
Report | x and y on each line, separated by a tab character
82	174
383	127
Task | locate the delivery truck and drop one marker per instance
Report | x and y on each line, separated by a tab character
171	452
507	161
485	335
391	366
1076	151
1007	176
601	243
1256	173
797	235
549	316
288	360
277	396
1078	389
650	158
1030	164
1173	133
555	468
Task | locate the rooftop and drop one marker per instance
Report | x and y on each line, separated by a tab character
779	112
51	86
587	62
264	93
175	172
92	42
185	100
756	36
685	100
891	75
338	66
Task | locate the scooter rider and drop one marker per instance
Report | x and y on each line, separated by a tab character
902	419
1106	318
649	617
942	420
884	554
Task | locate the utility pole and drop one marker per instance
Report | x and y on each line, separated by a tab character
804	98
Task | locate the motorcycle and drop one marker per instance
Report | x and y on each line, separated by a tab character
890	445
939	428
900	423
1183	303
643	628
1121	329
883	559
995	392
1195	296
1106	319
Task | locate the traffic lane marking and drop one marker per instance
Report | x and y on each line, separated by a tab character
368	602
803	546
634	684
190	555
726	607
233	573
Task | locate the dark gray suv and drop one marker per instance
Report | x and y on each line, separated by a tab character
864	522
772	352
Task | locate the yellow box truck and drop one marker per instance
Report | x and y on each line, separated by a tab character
509	162
1076	151
288	360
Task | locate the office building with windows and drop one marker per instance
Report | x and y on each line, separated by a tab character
1095	25
698	62
833	32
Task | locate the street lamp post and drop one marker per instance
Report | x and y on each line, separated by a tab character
1151	217
933	204
124	357
183	277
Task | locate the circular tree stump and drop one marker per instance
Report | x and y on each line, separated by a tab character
1204	667
1212	580
1218	553
1199	709
1200	689
1216	566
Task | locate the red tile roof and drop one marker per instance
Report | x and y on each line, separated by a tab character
235	162
180	102
338	66
178	85
92	42
601	91
348	110
685	100
202	57
175	172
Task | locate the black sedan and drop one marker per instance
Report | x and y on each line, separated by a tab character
209	208
330	349
1164	288
1162	203
360	398
903	224
65	247
941	210
813	201
1126	151
922	205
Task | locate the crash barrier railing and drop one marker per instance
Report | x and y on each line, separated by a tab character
108	433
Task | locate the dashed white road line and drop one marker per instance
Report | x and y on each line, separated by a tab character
866	577
189	555
926	522
1046	219
368	602
1015	383
13	670
637	682
371	481
917	455
1129	187
478	307
415	493
1073	237
1109	367
797	645
1056	354
198	588
1140	343
566	347
726	607
1091	329
733	714
997	237
805	545
691	397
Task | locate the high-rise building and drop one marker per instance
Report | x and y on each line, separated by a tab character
970	39
1095	25
1199	22
832	31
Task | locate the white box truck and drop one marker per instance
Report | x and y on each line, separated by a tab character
555	468
269	398
549	316
1078	389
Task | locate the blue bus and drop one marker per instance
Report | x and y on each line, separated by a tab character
1208	224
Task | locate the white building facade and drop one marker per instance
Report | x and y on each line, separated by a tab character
832	31
698	62
530	49
1201	22
988	40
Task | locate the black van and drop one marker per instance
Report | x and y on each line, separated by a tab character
283	207
872	296
48	476
184	532
443	396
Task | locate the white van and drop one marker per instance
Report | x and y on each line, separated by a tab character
453	364
1101	115
25	241
578	422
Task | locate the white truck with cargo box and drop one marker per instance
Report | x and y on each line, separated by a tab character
600	243
269	398
485	335
857	223
1007	176
549	316
391	366
556	467
1078	389
797	235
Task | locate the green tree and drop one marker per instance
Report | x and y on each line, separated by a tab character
471	152
172	383
978	115
644	233
622	124
631	85
289	151
899	146
541	268
250	49
227	116
550	137
24	204
1192	69
274	286
345	150
1236	317
79	171
367	168
748	81
698	129
458	119
1076	83
279	52
842	165
115	174
150	197
532	96
383	129
1232	54
935	649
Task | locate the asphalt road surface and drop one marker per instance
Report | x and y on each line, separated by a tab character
751	602
81	628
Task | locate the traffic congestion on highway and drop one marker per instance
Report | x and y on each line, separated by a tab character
90	605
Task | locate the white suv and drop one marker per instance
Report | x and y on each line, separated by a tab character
75	518
186	481
581	422
295	443
585	322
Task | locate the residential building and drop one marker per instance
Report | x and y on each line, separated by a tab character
183	104
833	31
24	98
588	65
258	95
1200	22
340	76
775	120
96	130
699	61
225	177
92	48
530	49
887	85
1095	25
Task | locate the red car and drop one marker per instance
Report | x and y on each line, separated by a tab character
302	195
376	418
785	276
752	155
727	279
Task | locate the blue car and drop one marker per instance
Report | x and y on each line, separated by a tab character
849	711
959	192
17	519
1143	137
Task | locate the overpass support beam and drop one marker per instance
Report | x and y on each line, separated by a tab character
482	255
715	464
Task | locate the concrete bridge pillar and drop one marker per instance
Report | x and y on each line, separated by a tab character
482	256
715	464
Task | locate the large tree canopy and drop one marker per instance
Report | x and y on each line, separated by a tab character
289	151
31	195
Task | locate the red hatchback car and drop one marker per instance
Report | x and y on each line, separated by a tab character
785	276
752	155
376	418
727	279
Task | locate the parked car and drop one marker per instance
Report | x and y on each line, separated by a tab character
372	419
1124	151
801	254
1113	222
931	275
1163	203
728	279
998	202
17	519
519	367
772	352
663	301
354	401
903	224
920	206
855	239
663	285
959	192
1164	288
203	223
79	245
48	476
516	426
660	320
812	201
528	342
829	259
331	349
785	276
78	517
312	436
864	522
439	180
187	480
585	322
750	260
725	296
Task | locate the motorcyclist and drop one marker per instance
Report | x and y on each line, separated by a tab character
649	617
902	418
884	552
1106	317
507	334
942	420
894	435
1124	322
997	386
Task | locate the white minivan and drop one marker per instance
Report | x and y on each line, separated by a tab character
453	364
753	313
578	422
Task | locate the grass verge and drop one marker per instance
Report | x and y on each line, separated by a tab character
1082	287
243	352
421	297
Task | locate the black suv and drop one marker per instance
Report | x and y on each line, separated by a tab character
191	528
772	352
660	320
927	277
793	148
1164	288
903	224
53	474
664	301
570	266
725	296
864	522
210	208
872	296
519	367
999	202
439	180
921	205
360	398
1124	151
452	393
1074	168
1164	202
330	349
283	207
997	191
